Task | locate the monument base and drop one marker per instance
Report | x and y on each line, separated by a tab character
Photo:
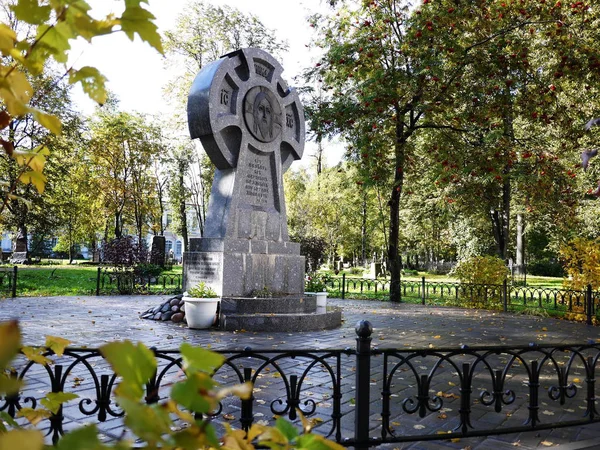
277	314
19	258
250	266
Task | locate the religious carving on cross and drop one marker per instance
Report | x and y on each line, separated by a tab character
240	102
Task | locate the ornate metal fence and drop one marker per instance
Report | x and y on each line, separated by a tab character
8	282
504	296
358	397
128	282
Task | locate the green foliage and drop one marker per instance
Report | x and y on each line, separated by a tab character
546	268
201	290
582	263
488	270
147	270
152	424
55	24
314	282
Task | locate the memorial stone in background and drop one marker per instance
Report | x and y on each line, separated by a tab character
158	251
251	125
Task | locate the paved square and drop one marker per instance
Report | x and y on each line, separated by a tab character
92	321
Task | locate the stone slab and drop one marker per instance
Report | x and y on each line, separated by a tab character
239	274
278	305
320	320
19	258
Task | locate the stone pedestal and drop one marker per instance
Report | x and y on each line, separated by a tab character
238	267
375	270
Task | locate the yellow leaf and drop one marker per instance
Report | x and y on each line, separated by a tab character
35	355
544	329
15	90
34	416
48	121
437	337
576	380
35	159
38	179
451	383
10	337
547	443
243	391
22	439
57	344
92	82
7	39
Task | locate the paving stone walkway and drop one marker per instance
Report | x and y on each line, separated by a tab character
92	321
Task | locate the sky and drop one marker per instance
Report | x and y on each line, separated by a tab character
136	73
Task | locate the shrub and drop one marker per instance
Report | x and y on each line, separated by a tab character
582	263
481	270
147	270
314	283
124	252
546	268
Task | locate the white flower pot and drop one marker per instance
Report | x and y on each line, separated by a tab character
201	312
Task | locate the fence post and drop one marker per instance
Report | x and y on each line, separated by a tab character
14	283
99	274
363	384
589	305
423	290
343	286
505	294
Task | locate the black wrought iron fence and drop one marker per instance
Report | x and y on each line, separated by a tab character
505	297
129	282
358	397
8	282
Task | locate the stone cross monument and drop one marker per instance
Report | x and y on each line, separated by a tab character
251	125
252	128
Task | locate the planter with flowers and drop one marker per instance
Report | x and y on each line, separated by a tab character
314	285
201	304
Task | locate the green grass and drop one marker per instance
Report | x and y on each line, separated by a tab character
42	281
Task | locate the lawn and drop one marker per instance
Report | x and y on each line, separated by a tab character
40	281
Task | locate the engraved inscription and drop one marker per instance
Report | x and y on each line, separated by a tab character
205	268
289	121
257	182
262	70
225	95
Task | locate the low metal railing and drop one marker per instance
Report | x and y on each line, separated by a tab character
505	296
8	282
423	394
129	282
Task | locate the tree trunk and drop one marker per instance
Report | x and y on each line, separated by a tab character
364	230
182	211
520	250
394	264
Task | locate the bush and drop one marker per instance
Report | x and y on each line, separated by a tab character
314	283
481	270
147	270
582	263
124	252
411	272
546	268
